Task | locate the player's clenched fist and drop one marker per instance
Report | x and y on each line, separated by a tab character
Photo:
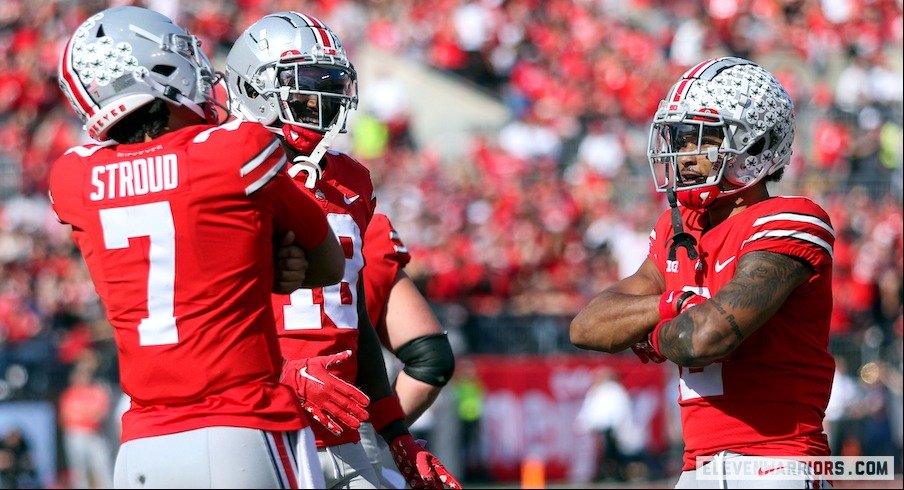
290	266
673	303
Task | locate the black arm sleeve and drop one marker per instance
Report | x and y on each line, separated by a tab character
428	358
371	376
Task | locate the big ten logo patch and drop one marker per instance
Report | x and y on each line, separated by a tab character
671	266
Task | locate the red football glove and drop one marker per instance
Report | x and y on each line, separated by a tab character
673	303
332	402
420	468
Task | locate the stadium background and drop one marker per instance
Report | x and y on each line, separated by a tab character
507	142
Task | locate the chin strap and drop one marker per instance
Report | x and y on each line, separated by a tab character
681	238
213	100
311	163
303	163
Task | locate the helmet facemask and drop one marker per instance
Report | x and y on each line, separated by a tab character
189	47
689	137
310	96
313	103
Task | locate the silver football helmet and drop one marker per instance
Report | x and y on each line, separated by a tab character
732	111
290	72
125	57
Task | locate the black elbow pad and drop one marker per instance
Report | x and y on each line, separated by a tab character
428	358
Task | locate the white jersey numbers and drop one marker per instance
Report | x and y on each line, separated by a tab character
340	301
705	381
154	220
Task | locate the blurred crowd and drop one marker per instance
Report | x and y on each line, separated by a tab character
539	214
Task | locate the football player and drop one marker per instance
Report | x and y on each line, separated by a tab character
176	217
409	330
736	289
290	72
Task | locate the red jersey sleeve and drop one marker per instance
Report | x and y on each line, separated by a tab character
385	255
794	226
65	189
263	177
295	209
62	187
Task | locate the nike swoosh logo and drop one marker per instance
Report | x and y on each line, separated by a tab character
304	374
671	297
722	265
349	200
763	472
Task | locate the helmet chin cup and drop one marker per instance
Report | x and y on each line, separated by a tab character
309	161
304	163
302	139
699	198
305	141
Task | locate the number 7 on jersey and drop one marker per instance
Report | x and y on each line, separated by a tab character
154	220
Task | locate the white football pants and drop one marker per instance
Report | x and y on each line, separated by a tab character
347	466
219	457
380	458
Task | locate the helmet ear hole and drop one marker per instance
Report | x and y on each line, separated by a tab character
757	148
248	90
165	70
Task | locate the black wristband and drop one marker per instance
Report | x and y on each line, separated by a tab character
679	303
394	429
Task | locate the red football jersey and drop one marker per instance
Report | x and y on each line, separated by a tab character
322	321
769	397
385	255
178	237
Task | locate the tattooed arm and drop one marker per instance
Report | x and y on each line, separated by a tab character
715	328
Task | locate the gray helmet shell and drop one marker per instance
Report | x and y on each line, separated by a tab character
123	58
278	40
742	99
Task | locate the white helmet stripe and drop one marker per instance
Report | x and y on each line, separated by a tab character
312	22
698	68
320	32
144	33
74	84
318	35
710	72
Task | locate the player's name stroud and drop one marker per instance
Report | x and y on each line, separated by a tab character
797	468
135	177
